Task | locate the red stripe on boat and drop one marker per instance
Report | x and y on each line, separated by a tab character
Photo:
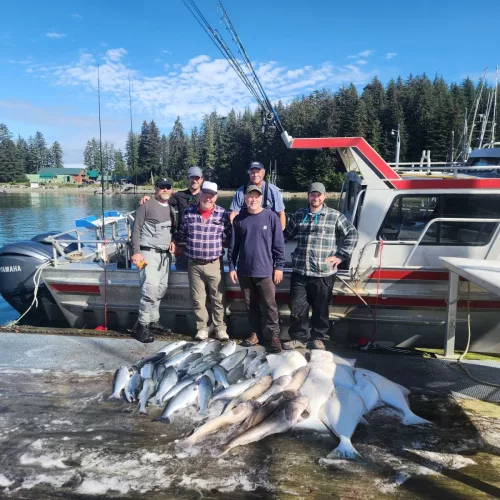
340	300
66	288
409	274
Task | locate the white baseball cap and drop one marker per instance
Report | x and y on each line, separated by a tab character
209	187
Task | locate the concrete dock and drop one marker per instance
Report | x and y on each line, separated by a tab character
61	438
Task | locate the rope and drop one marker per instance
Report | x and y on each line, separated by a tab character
36	280
461	358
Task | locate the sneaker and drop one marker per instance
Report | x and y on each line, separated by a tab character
143	334
250	341
275	346
157	327
201	335
293	344
316	344
222	335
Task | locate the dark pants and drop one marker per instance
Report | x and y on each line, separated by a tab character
310	292
260	301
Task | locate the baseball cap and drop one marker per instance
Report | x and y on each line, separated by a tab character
318	187
195	172
255	164
163	183
209	187
253	187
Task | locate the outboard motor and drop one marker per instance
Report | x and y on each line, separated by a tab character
18	264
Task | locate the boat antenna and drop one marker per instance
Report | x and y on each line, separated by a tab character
100	149
132	138
246	74
476	105
494	119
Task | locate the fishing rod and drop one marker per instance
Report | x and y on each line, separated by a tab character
103	228
100	148
132	138
241	49
248	76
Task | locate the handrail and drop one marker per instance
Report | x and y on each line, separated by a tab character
441	219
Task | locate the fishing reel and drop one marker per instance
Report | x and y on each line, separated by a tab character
268	123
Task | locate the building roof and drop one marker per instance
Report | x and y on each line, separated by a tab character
52	172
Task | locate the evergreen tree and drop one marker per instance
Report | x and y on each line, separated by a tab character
132	154
119	163
42	155
177	151
164	155
11	169
56	155
22	153
208	156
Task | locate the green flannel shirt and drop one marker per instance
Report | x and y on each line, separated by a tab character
325	234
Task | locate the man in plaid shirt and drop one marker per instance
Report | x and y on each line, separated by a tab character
325	239
205	229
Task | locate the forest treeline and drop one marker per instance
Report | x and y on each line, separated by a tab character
427	112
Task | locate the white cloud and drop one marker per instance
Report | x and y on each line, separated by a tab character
157	60
76	16
116	54
364	53
361	61
188	90
166	52
54	35
390	55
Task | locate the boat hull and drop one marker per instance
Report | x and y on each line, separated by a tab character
410	310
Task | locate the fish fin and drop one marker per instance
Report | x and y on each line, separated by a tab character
345	449
165	420
115	396
411	419
363	421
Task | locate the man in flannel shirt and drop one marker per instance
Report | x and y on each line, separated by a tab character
325	239
204	231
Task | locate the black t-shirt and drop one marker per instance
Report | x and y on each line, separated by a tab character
181	200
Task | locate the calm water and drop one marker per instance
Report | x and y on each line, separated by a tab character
24	215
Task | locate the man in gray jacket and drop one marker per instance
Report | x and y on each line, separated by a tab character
152	244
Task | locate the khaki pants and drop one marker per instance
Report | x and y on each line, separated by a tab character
203	277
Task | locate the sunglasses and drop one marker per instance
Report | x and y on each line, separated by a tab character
164	186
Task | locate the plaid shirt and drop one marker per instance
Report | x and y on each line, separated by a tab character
204	239
324	234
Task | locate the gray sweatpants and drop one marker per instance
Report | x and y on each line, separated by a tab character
154	282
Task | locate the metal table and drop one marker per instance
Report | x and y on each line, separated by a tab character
484	273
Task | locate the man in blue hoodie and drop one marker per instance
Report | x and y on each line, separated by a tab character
257	251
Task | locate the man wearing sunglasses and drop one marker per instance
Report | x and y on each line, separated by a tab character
325	239
152	243
180	200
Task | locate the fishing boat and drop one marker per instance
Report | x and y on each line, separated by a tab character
393	280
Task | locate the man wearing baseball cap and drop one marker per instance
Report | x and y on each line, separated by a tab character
180	200
325	239
271	195
257	251
152	243
204	231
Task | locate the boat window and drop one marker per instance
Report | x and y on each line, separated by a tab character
351	196
409	214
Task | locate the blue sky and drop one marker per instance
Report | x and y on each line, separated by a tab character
49	51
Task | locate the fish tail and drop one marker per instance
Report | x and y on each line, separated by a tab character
165	420
142	410
345	449
411	419
115	395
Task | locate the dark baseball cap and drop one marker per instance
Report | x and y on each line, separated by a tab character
255	164
253	187
317	187
163	183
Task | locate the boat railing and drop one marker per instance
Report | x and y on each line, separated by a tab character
453	168
416	243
